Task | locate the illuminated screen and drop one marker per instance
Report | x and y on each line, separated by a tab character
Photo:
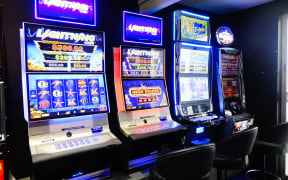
231	87
144	94
50	48
230	64
141	28
69	11
194	61
59	95
194	29
194	89
142	62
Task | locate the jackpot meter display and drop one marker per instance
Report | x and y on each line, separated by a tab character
142	62
144	94
58	49
194	61
60	95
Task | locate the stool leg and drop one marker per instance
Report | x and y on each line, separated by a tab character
226	175
219	174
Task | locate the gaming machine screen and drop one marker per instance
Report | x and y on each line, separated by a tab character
60	95
229	64
194	89
59	49
144	94
142	62
194	29
194	61
231	87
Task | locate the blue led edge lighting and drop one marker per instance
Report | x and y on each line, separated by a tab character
64	21
144	15
196	15
174	80
174	26
221	103
195	45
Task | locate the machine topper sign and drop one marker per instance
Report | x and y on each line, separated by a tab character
81	12
139	28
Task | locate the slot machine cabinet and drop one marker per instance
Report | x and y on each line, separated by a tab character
66	103
193	101
147	131
230	63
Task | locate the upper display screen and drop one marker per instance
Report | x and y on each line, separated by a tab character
231	87
194	61
59	95
144	94
57	49
194	29
142	62
229	64
140	28
81	12
194	89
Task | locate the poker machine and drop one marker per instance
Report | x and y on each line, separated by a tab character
65	102
144	117
231	82
192	76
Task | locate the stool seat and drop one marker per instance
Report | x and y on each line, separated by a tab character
261	175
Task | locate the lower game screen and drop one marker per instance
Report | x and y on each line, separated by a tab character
58	95
231	87
144	94
194	89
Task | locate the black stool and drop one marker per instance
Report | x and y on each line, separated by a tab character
232	152
193	163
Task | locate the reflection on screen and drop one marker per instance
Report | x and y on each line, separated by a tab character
194	61
142	62
194	29
231	87
59	95
194	89
143	94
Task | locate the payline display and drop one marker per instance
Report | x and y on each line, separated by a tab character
193	80
56	49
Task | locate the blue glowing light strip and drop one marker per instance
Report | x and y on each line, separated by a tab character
64	21
144	15
174	26
196	15
221	103
195	45
174	80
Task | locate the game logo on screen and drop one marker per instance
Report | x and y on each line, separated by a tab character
144	94
140	28
194	29
231	87
60	95
142	62
194	61
81	12
229	64
56	49
194	89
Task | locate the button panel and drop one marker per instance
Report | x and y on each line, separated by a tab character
75	143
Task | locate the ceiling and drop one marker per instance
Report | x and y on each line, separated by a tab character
213	6
223	6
